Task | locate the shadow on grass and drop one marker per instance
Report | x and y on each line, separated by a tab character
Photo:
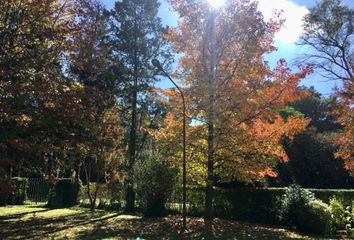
37	227
146	228
169	228
84	224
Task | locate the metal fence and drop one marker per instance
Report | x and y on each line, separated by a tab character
37	191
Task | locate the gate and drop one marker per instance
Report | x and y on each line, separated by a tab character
38	190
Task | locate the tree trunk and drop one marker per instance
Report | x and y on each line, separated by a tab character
87	170
130	198
211	113
130	194
210	174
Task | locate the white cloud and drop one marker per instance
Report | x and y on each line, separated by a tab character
292	13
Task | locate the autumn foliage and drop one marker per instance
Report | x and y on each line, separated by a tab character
78	96
248	129
48	120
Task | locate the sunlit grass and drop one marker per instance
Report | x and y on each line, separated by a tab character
20	209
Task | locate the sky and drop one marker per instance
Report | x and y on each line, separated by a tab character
285	40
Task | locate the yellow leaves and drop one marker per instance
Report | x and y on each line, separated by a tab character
247	133
23	120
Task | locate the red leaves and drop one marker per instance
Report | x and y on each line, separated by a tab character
19	145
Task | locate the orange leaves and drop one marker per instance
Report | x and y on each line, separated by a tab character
344	139
268	134
169	119
277	127
282	84
268	172
247	131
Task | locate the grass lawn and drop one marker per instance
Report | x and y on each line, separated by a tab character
36	222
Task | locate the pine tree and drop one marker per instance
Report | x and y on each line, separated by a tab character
136	33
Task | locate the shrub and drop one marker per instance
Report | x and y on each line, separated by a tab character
338	214
85	203
301	210
5	191
19	191
103	204
349	217
352	216
114	205
155	179
64	193
293	205
316	218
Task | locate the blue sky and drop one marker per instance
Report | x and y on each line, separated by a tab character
293	11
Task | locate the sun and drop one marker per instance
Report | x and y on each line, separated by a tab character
216	3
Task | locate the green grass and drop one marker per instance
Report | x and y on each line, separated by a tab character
37	222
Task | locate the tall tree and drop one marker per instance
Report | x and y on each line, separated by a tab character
136	39
90	60
45	114
329	32
33	38
232	92
91	65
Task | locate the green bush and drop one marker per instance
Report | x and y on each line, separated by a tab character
19	191
114	205
5	191
338	214
349	217
85	203
300	209
352	216
102	204
64	193
294	204
155	179
316	218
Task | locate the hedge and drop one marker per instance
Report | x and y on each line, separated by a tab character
249	204
5	191
261	204
346	196
64	193
19	191
13	191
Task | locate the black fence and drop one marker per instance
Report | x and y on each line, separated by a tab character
37	191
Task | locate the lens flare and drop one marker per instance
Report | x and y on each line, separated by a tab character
216	3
